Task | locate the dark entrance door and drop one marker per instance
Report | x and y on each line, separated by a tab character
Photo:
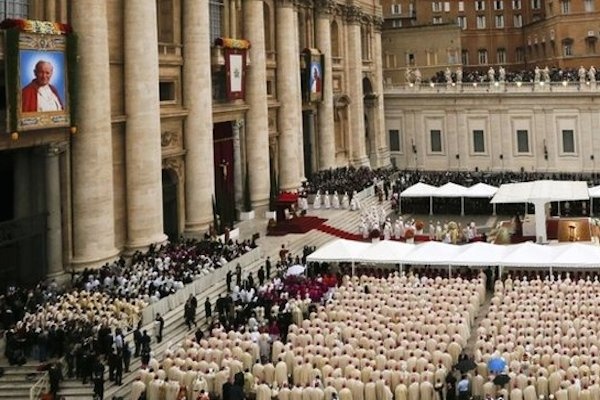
23	234
170	215
307	128
224	180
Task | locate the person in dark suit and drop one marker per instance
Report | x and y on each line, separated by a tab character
207	308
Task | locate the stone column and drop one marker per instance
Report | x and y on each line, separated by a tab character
54	248
50	10
289	94
92	161
238	178
142	139
257	123
383	150
299	101
326	123
232	19
356	109
198	126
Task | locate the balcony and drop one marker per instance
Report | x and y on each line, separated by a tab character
493	88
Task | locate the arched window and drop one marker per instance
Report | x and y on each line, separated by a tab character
335	40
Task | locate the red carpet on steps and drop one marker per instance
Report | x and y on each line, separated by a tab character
295	225
340	233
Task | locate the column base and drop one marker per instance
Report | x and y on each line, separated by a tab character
144	244
362	161
383	158
196	230
83	263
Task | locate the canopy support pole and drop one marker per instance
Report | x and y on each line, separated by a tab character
540	223
558	202
399	205
591	206
449	271
494	209
462	206
352	268
430	205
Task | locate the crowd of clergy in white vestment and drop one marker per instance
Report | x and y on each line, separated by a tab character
376	338
545	328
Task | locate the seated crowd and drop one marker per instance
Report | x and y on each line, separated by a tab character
345	179
50	320
374	338
545	329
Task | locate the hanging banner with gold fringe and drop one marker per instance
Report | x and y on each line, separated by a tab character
39	83
235	53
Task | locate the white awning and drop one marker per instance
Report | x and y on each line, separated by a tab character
340	250
594	191
450	190
541	191
386	251
578	255
433	253
481	190
481	254
419	190
529	254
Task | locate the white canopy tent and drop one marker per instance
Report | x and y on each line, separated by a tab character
483	190
539	193
594	192
453	190
419	189
478	254
481	254
386	251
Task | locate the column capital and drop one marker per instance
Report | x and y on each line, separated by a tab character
54	149
286	3
325	8
237	124
377	22
353	14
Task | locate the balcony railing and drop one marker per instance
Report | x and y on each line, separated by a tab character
495	87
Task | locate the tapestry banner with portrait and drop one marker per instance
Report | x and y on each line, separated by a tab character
38	63
235	53
312	81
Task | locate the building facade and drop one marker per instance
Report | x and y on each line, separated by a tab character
160	142
516	34
504	127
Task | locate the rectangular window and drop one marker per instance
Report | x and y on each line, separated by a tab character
397	23
479	5
446	6
166	91
396	9
216	19
520	54
16	9
516	4
481	22
462	21
522	141
464	57
589	5
461	6
499	21
394	139
498	5
568	49
436	6
437	20
410	59
565	6
501	56
518	20
482	56
436	140
536	4
478	141
568	141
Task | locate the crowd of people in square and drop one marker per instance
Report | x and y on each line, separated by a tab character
345	179
51	320
538	74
